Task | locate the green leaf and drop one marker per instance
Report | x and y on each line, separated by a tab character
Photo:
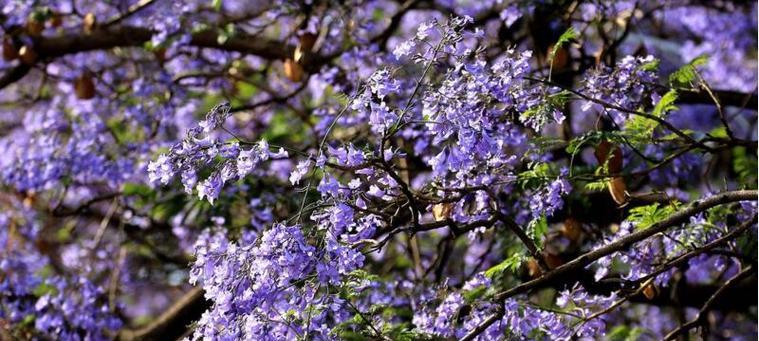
137	189
684	76
512	263
640	129
596	186
216	4
745	165
537	229
625	333
650	66
645	216
568	35
666	104
224	34
474	294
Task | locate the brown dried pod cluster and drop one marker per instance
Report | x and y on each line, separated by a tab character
34	26
442	211
27	55
617	186
84	86
294	66
89	23
9	49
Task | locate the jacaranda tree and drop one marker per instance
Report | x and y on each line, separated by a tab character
378	170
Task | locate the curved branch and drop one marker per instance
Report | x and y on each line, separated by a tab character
732	282
173	323
582	261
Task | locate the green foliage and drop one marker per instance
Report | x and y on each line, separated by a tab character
537	229
167	209
650	66
141	190
512	263
745	165
625	333
44	289
224	33
537	174
666	104
596	186
645	216
685	76
474	294
593	138
639	130
566	37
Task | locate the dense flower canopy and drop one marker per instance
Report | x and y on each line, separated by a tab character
378	169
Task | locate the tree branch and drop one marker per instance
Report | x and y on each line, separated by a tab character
714	299
173	323
582	261
725	97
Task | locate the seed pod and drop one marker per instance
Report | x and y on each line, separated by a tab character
602	153
533	269
618	190
553	261
56	20
307	41
293	70
160	54
650	290
442	211
560	60
84	86
29	199
27	55
34	27
305	45
572	229
89	22
9	49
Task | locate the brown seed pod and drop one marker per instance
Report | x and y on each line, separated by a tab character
27	55
442	211
9	50
533	269
89	23
618	190
293	70
29	199
307	41
603	151
84	86
34	27
553	261
56	20
561	59
160	54
572	229
650	290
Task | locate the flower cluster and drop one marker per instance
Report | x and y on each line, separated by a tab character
66	308
200	149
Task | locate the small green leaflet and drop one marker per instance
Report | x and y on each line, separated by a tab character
568	35
684	77
646	216
512	263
